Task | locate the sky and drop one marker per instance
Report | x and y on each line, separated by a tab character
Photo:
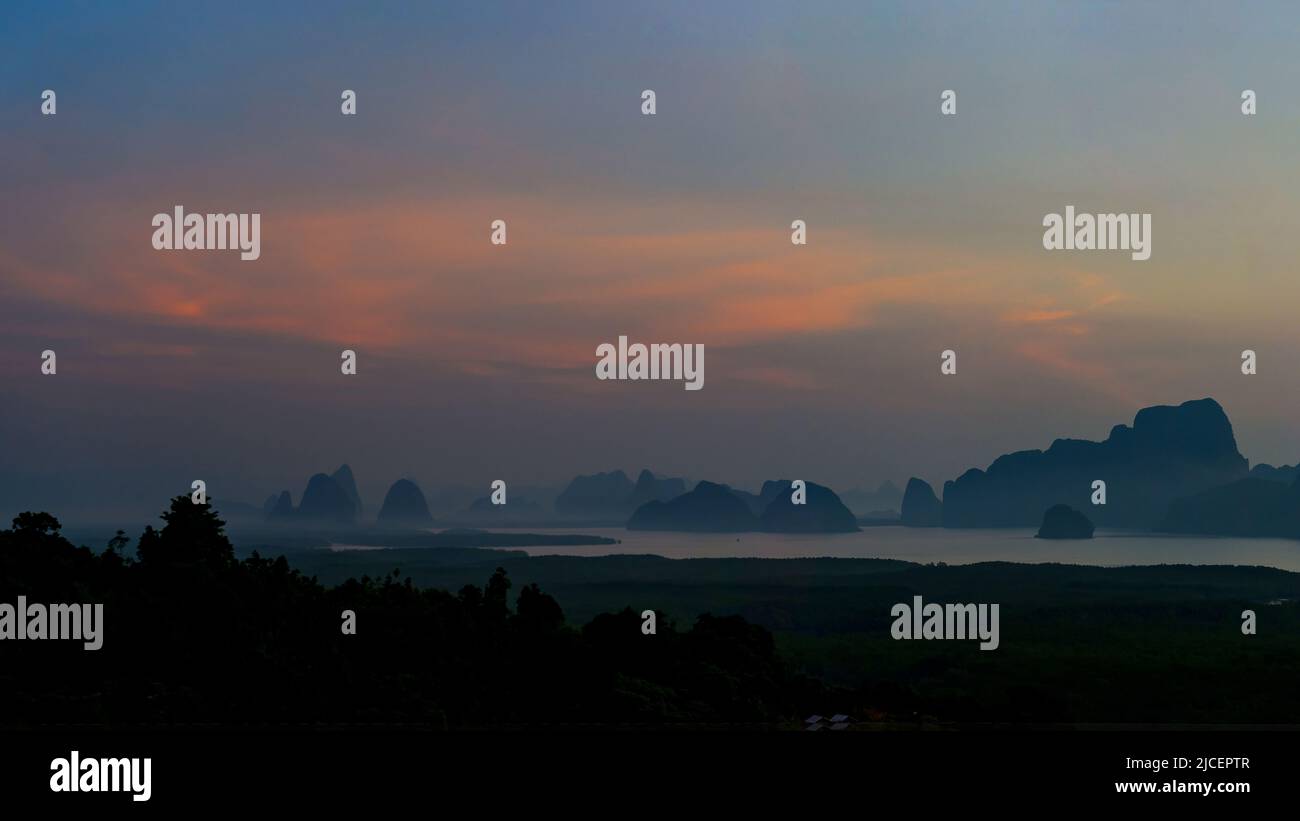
477	362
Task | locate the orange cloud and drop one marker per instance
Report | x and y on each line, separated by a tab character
1036	317
420	280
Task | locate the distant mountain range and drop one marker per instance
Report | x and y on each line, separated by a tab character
1177	469
716	508
1247	507
327	498
709	508
887	497
613	495
333	499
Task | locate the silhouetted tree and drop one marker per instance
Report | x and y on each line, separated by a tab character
42	523
118	543
537	611
193	535
196	635
494	595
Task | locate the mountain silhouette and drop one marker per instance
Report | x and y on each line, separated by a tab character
920	507
709	508
601	494
649	489
1285	473
612	494
1064	522
1247	507
281	506
716	508
349	484
404	506
1169	452
751	500
886	497
325	500
822	512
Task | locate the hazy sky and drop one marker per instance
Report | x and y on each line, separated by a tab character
477	362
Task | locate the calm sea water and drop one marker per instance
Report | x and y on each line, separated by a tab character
941	545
